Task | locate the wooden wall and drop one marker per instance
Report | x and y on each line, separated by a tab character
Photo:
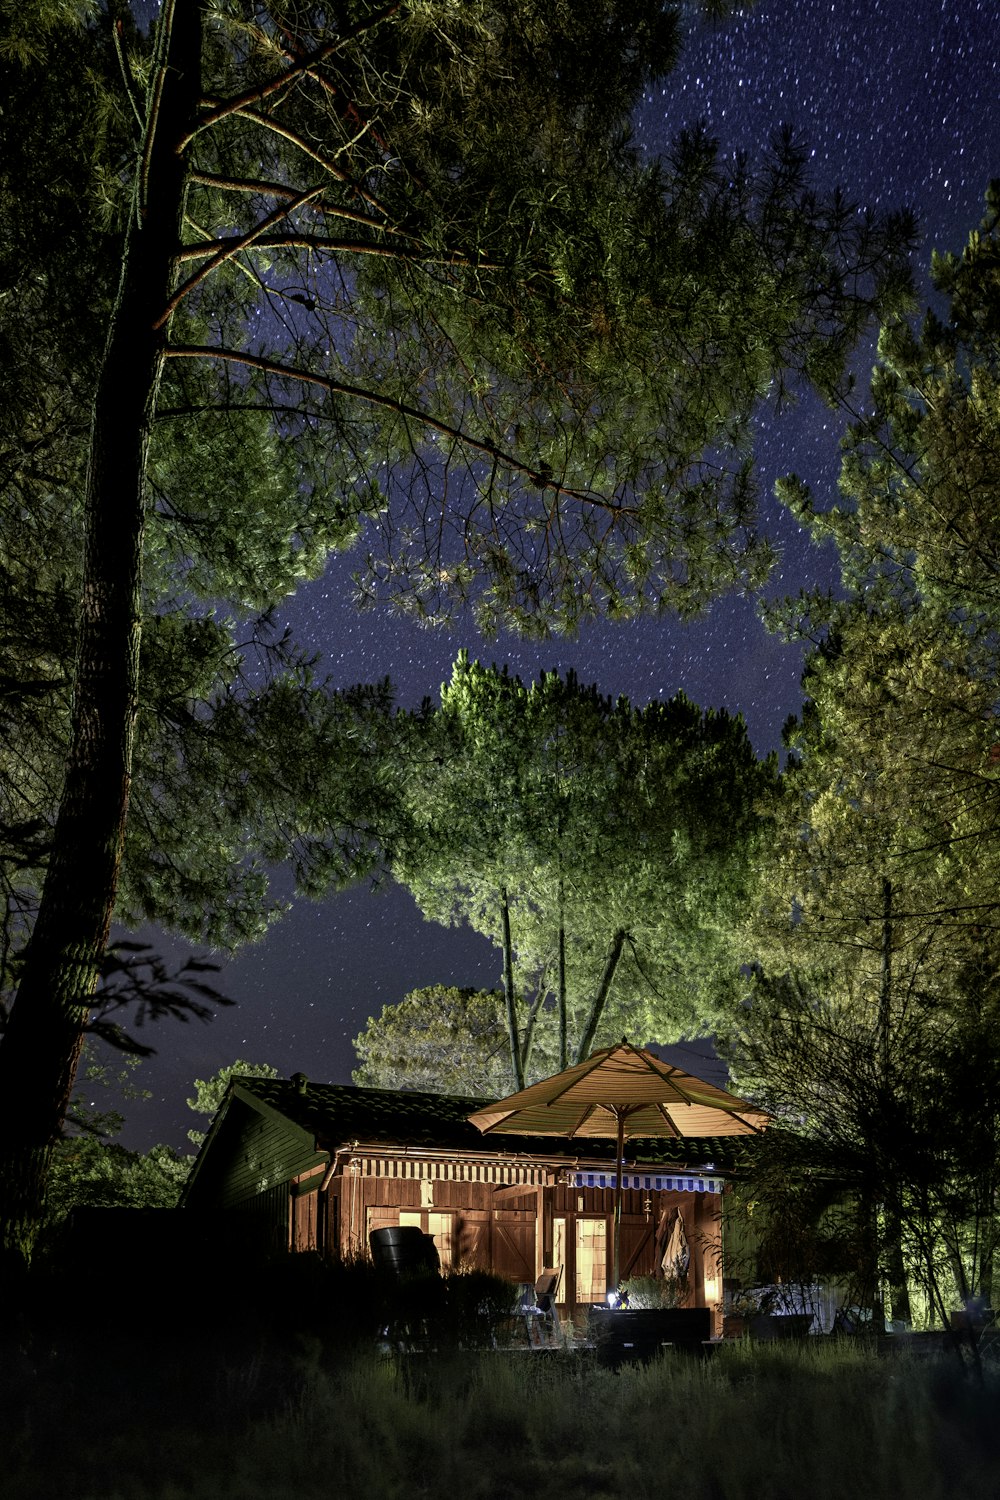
500	1215
252	1154
509	1228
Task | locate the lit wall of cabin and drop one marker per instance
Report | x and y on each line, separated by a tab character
517	1228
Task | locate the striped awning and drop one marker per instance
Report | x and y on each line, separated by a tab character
648	1182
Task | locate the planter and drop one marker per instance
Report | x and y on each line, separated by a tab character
405	1250
766	1326
622	1335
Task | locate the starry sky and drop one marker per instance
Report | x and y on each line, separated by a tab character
899	102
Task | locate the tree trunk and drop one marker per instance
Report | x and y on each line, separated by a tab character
42	1042
900	1309
563	1036
885	983
508	992
895	1266
603	989
528	1030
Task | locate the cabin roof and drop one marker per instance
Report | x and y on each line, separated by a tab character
338	1115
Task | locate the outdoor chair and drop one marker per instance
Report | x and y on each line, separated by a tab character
538	1308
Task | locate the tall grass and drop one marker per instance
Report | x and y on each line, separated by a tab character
127	1422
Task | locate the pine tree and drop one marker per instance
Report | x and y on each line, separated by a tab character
879	942
608	852
895	760
400	271
441	1038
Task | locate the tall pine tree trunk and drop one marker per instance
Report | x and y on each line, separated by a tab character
600	999
899	1292
41	1045
510	999
561	999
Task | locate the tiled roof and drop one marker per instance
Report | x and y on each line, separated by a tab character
339	1114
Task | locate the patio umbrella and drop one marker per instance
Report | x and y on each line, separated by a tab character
621	1091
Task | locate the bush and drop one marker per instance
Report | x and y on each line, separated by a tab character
150	1422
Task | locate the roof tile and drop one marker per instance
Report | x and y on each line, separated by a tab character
339	1114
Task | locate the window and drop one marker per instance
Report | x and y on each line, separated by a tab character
437	1225
591	1260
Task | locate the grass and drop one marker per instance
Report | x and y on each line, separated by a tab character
92	1418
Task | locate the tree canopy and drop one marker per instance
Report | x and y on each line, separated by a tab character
894	762
209	1092
609	852
441	1038
878	940
395	272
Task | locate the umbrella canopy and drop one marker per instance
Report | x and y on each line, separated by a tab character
622	1082
622	1091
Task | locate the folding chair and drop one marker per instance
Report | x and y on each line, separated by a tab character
541	1318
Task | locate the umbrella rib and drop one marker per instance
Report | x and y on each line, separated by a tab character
662	1111
583	1070
588	1110
757	1129
664	1071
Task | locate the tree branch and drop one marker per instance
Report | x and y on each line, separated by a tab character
318	242
279	190
294	139
239	102
600	999
230	247
402	409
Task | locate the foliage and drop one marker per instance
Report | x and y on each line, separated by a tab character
397	271
138	981
217	689
895	760
654	1291
91	1173
887	1134
209	1092
442	1039
477	1308
216	1420
617	844
877	942
91	1169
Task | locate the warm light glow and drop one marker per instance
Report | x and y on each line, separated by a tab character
711	1289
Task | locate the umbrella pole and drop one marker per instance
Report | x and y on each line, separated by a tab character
618	1197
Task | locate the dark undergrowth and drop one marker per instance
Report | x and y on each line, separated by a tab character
233	1396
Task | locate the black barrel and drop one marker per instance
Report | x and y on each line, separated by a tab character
404	1249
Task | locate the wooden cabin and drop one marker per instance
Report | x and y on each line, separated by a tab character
319	1166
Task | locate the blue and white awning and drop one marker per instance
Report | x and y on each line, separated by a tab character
648	1182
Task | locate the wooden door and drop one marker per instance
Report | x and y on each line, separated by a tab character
514	1245
636	1248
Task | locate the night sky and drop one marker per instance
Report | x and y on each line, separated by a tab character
899	102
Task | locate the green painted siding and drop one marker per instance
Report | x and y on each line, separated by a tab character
250	1154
